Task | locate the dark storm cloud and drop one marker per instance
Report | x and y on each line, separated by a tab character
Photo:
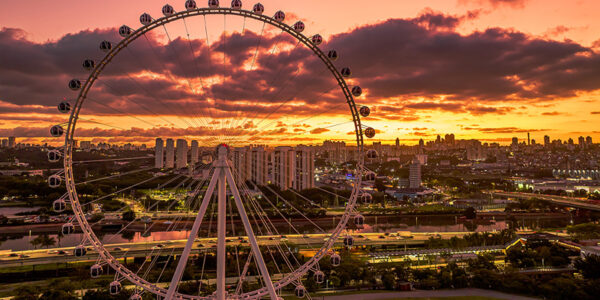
404	59
484	72
436	20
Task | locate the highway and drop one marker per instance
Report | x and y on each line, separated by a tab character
143	249
561	200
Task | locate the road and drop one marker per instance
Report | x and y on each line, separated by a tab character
142	249
429	294
561	200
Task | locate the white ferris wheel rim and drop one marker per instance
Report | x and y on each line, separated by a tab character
89	234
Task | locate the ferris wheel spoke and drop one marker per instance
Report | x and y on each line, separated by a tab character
111	159
286	220
180	64
237	259
182	110
100	123
264	128
199	74
115	176
270	228
142	106
236	122
295	209
126	114
280	89
273	229
152	96
249	232
313	203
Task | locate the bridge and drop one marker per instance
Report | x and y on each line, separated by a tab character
582	203
144	249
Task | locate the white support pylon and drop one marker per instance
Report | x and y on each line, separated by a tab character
262	267
192	237
222	175
221	232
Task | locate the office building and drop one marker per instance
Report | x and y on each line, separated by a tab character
182	153
414	176
159	154
240	158
12	142
283	166
304	168
258	165
85	145
194	151
170	154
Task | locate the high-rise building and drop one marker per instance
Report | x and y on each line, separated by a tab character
4	143
546	140
240	158
159	154
581	141
414	176
304	168
182	153
194	151
588	140
515	141
397	142
258	165
12	142
283	166
336	152
85	145
170	154
528	139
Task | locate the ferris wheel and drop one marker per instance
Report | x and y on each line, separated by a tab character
251	261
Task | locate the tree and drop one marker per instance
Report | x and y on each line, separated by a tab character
470	213
128	216
389	281
589	267
26	292
379	185
47	241
36	242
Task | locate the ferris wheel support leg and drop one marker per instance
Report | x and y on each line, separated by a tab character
221	234
192	236
260	262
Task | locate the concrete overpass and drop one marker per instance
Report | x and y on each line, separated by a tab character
560	200
143	249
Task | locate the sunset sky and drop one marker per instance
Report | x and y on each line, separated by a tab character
484	69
